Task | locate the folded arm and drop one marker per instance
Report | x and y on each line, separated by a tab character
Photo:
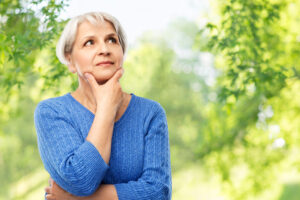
104	192
155	182
74	163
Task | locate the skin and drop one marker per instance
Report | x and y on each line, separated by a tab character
57	193
99	91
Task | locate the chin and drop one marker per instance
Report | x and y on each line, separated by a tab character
102	75
102	79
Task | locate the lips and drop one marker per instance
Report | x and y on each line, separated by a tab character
105	63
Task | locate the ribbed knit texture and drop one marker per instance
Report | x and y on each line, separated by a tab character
139	165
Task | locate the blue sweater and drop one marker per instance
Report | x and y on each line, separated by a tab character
139	165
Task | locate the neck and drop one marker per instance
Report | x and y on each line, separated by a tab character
85	95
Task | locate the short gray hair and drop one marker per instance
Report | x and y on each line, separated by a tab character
67	38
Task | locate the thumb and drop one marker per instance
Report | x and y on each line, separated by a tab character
91	80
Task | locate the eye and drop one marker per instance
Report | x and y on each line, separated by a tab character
89	43
112	40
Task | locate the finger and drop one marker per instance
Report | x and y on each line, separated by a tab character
118	75
51	182
50	197
91	80
48	190
56	187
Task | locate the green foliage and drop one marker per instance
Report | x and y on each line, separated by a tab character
254	43
25	30
249	41
26	27
241	142
291	192
19	155
148	73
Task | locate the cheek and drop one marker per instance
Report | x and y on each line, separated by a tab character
121	62
120	58
83	60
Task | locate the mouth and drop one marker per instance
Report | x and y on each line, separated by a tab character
104	63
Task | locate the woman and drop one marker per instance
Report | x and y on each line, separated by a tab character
99	142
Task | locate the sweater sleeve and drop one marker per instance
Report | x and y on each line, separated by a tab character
73	163
155	181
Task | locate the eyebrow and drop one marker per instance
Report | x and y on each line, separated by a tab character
91	36
112	34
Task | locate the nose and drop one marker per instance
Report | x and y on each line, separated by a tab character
103	49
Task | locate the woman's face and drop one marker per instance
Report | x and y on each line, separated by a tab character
96	50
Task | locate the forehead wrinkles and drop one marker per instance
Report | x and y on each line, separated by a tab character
86	29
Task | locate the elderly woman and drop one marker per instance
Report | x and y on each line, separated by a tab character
99	142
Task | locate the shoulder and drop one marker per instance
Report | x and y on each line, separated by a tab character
152	113
55	104
149	106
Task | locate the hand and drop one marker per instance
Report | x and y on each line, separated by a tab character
104	192
55	192
108	95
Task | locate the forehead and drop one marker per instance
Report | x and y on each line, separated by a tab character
88	28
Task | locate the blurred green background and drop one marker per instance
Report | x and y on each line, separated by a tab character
230	88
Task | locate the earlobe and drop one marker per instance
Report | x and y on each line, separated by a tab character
72	69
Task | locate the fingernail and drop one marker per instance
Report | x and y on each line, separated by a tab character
86	75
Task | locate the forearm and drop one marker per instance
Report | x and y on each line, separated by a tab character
101	131
104	192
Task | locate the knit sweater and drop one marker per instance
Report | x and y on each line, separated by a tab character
139	165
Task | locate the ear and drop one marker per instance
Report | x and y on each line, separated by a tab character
71	65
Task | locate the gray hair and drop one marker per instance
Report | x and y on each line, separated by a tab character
67	38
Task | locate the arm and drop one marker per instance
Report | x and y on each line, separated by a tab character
104	192
155	181
73	163
108	97
77	166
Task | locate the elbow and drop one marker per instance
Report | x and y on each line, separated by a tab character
164	188
166	191
81	177
79	183
79	187
158	188
161	191
76	186
86	189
